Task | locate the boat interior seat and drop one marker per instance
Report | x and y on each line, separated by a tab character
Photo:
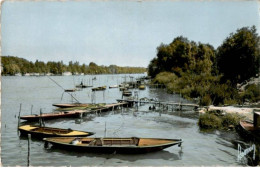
135	140
98	142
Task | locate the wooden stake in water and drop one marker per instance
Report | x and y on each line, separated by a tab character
105	129
31	109
28	157
41	121
19	115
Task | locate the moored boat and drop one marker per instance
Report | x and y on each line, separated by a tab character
131	145
54	115
127	93
99	88
83	86
247	130
142	87
67	105
41	132
114	86
70	90
250	129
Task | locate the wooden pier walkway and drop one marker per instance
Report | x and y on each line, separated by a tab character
158	103
107	107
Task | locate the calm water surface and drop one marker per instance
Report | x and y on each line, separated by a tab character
198	149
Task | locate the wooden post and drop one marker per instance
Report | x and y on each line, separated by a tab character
105	129
28	157
80	115
19	115
31	109
41	121
180	106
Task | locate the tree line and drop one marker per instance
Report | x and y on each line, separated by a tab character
12	65
197	70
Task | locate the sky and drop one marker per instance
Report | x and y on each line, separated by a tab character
124	33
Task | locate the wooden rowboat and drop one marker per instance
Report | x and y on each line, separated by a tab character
113	86
67	105
113	145
70	90
54	115
99	88
81	86
248	130
127	93
41	132
142	87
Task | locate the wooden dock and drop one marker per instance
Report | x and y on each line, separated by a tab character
161	104
107	107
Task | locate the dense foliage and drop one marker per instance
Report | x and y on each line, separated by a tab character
238	58
181	56
199	71
213	121
13	65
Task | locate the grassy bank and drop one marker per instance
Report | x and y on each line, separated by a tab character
208	89
213	120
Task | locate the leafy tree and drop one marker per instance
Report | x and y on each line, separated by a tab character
11	69
180	56
239	56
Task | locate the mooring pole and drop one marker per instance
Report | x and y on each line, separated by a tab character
28	157
19	115
105	129
31	109
80	115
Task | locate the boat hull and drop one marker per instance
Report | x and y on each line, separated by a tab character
68	105
113	149
41	135
48	116
246	130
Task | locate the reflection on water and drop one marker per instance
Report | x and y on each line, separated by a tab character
164	155
198	148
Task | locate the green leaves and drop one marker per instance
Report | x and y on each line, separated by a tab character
241	51
181	56
199	71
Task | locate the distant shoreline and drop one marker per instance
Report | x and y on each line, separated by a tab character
50	74
11	65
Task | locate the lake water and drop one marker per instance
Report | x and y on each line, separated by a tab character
199	148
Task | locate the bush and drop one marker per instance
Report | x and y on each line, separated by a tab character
165	78
209	121
230	119
206	100
252	93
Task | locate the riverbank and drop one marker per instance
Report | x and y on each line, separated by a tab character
246	112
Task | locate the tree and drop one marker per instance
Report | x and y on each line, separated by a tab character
239	55
182	55
11	69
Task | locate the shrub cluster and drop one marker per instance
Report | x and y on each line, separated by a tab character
213	121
